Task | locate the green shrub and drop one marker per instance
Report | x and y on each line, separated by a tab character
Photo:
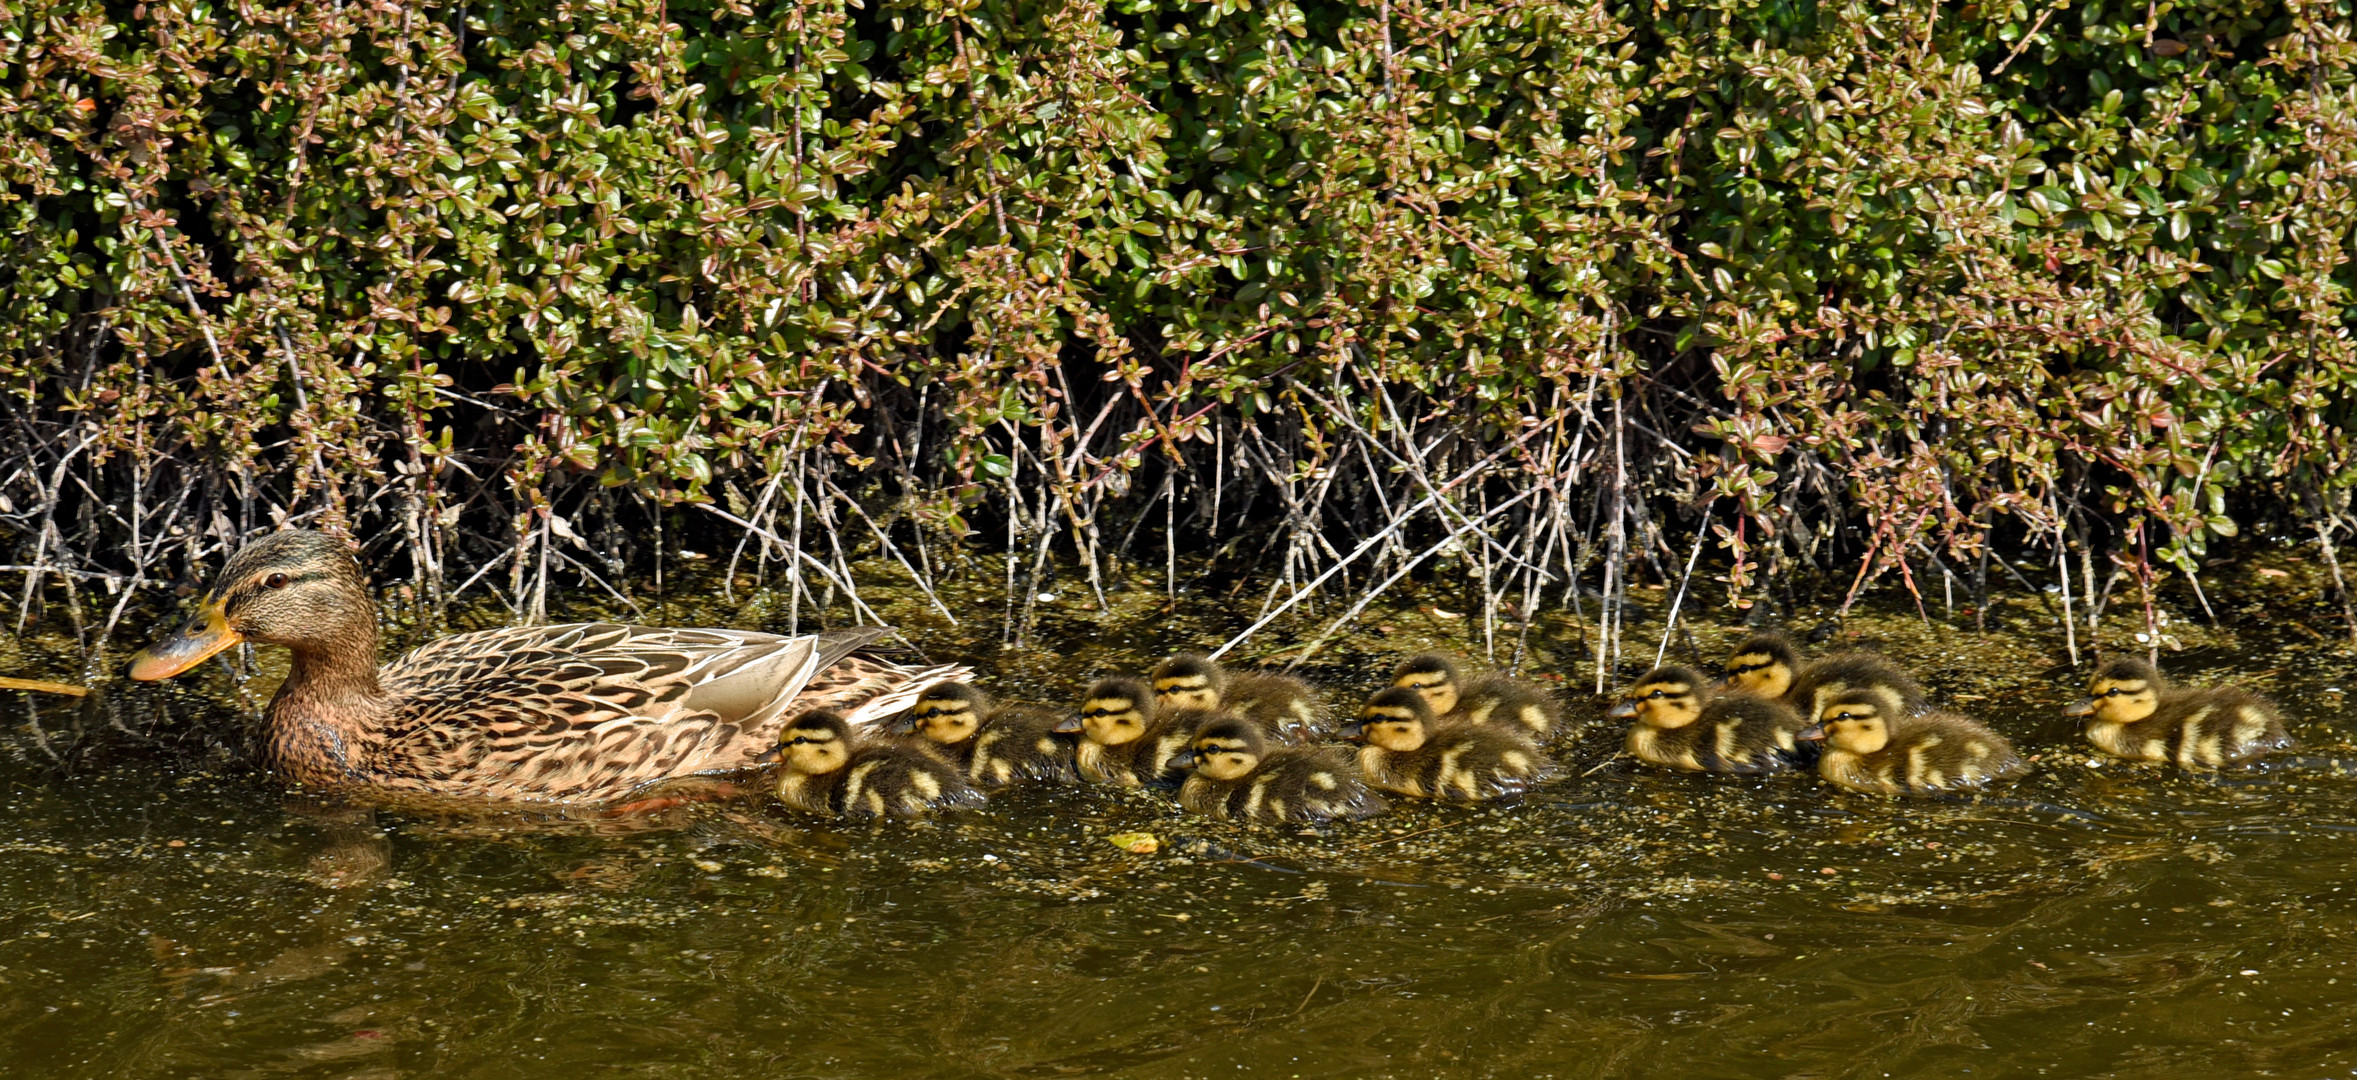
1855	283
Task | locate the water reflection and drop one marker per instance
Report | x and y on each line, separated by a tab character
172	914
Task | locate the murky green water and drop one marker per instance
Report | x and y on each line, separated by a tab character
165	912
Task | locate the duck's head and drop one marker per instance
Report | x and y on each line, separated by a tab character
1398	719
1665	697
1114	712
817	741
947	713
1432	675
1189	681
297	588
1763	665
2123	691
1228	748
1858	722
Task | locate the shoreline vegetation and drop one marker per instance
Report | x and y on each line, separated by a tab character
1757	303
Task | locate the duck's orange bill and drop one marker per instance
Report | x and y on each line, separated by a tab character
206	634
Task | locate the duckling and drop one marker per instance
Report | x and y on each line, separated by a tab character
1872	745
1480	699
1683	723
2137	713
827	772
1410	752
1237	776
1126	739
1283	704
995	746
1769	666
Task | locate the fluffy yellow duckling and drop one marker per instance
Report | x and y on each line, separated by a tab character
1767	665
1481	699
1874	747
993	745
1283	704
1682	723
1410	752
2137	713
1237	776
1126	739
826	772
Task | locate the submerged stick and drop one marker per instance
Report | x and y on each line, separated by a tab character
43	686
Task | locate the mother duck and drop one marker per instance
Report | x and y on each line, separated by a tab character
577	712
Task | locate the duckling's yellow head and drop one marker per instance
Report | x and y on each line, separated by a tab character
1668	698
1398	720
1189	681
296	588
1225	749
1114	712
1762	665
2123	691
948	713
1432	675
1857	722
816	742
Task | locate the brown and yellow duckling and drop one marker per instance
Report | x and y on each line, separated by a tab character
1768	665
1286	706
1128	741
1411	752
1480	699
1683	723
575	712
828	770
2137	713
1236	776
994	745
1872	746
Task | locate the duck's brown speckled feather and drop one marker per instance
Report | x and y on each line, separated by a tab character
588	712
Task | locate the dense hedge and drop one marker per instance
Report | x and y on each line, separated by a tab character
2078	270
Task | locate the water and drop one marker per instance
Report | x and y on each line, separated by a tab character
170	913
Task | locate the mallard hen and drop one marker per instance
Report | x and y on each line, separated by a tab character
576	712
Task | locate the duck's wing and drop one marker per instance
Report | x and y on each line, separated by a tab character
590	711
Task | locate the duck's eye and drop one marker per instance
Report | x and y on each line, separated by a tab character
1657	694
274	581
2114	692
